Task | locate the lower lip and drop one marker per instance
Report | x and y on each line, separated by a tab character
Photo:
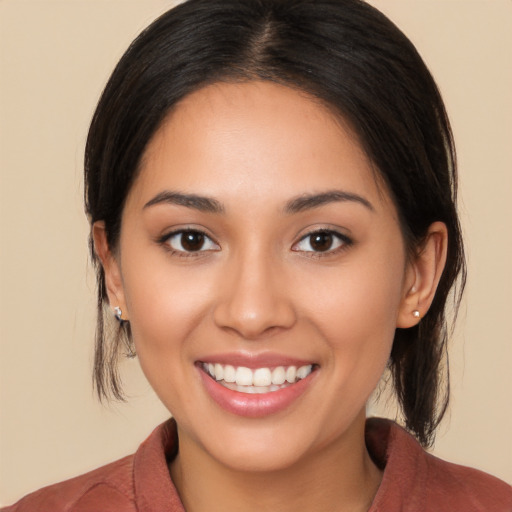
254	405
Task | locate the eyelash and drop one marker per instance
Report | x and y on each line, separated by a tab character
166	242
344	243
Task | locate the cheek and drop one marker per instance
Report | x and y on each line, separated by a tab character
165	305
356	309
166	310
163	311
363	297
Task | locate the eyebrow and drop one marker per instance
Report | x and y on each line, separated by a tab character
295	205
310	201
201	203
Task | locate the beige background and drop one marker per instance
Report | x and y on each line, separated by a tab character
55	56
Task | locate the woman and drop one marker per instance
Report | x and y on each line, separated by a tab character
271	191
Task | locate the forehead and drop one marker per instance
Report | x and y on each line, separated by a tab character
256	140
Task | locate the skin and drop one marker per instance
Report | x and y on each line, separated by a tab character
259	288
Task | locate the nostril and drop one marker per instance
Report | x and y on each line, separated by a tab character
254	317
252	298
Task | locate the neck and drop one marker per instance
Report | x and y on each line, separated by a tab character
341	477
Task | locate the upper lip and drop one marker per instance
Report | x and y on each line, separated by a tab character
253	361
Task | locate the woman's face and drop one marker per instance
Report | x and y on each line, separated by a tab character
257	246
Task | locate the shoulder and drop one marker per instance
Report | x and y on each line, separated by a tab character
109	488
135	483
454	485
417	480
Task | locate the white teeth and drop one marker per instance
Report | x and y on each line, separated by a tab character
219	372
291	374
243	376
278	376
229	373
304	371
262	377
260	380
252	390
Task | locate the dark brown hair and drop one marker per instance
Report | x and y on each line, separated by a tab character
352	58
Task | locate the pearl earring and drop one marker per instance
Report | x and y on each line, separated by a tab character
416	314
118	313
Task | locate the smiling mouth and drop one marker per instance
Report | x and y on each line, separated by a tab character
258	380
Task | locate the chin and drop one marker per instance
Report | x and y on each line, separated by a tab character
259	456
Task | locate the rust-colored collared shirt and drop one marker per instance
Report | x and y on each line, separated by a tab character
414	481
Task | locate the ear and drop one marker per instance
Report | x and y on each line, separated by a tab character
110	264
422	276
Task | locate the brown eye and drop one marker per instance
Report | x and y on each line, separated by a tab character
191	241
322	241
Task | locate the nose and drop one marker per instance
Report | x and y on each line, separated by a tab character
254	301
